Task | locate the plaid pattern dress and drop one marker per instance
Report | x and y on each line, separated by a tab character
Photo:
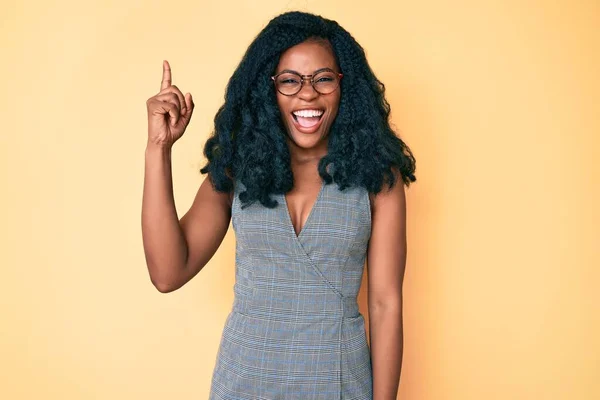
295	331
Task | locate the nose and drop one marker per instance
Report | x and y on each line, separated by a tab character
307	91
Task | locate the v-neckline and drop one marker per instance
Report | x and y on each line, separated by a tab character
312	210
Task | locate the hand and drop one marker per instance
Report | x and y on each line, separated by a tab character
169	112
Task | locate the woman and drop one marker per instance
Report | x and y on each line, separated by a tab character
304	163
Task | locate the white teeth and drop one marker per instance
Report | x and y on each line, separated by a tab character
308	113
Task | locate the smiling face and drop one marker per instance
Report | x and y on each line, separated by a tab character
308	115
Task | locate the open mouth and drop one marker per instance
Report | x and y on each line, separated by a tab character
308	120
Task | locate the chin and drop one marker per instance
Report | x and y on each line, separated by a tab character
307	141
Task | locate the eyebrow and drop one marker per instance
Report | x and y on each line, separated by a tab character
298	73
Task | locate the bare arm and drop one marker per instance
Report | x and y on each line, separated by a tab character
176	250
386	263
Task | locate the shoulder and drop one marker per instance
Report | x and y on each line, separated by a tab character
390	197
224	198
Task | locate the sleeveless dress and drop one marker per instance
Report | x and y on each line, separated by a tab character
295	331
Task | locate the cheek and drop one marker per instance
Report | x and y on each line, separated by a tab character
334	106
282	104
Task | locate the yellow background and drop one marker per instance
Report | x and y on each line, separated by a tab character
499	101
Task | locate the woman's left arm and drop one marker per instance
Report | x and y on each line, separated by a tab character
386	258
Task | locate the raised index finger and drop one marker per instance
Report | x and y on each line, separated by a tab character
166	77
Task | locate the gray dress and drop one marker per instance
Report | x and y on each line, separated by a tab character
295	331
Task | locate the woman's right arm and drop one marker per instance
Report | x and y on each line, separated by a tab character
176	250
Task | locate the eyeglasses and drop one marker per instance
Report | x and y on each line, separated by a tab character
324	81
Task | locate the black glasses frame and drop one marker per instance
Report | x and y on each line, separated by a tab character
310	78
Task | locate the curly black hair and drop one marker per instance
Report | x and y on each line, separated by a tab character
249	141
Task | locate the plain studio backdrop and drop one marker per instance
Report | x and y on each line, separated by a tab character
499	100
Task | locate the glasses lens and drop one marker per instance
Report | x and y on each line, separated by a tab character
326	82
288	83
